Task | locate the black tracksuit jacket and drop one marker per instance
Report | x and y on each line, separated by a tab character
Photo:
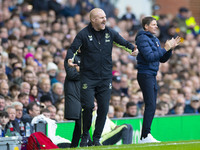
72	90
96	55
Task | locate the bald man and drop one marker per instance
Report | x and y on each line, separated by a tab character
95	43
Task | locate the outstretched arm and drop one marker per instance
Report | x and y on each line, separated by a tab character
120	42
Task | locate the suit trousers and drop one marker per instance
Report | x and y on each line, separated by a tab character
148	85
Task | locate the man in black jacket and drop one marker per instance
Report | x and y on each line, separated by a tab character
72	97
95	43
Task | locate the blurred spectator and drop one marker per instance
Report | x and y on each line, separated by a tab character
52	110
119	112
51	70
46	100
131	110
124	101
14	92
135	97
86	6
41	5
192	25
60	104
45	89
61	76
57	89
164	98
181	18
19	111
124	84
188	94
33	110
3	76
33	93
196	83
163	106
17	76
194	105
108	8
128	15
113	24
4	88
12	114
46	112
24	99
159	111
141	113
179	109
116	89
2	103
173	93
59	115
28	76
71	9
54	5
115	100
4	119
111	111
25	88
8	100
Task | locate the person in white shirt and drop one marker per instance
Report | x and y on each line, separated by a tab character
112	133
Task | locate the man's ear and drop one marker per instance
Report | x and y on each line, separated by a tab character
146	27
93	19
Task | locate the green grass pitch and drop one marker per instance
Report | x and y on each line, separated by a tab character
179	145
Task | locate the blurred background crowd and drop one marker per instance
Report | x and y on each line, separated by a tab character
36	34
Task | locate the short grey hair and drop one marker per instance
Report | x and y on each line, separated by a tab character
17	104
8	107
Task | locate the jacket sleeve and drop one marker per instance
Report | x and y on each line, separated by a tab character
166	56
76	44
120	42
72	73
146	50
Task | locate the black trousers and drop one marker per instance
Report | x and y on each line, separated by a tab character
124	132
91	90
77	133
148	85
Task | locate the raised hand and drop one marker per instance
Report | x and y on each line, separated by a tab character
170	44
177	41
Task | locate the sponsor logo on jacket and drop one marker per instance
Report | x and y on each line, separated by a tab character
90	37
84	86
107	37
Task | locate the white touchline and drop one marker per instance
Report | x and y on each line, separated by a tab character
162	144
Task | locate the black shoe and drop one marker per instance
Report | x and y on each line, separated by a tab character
96	143
84	142
90	143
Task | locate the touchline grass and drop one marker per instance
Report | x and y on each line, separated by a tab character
180	145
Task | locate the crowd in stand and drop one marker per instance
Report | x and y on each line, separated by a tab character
35	36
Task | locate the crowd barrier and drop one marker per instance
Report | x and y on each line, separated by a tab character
167	128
